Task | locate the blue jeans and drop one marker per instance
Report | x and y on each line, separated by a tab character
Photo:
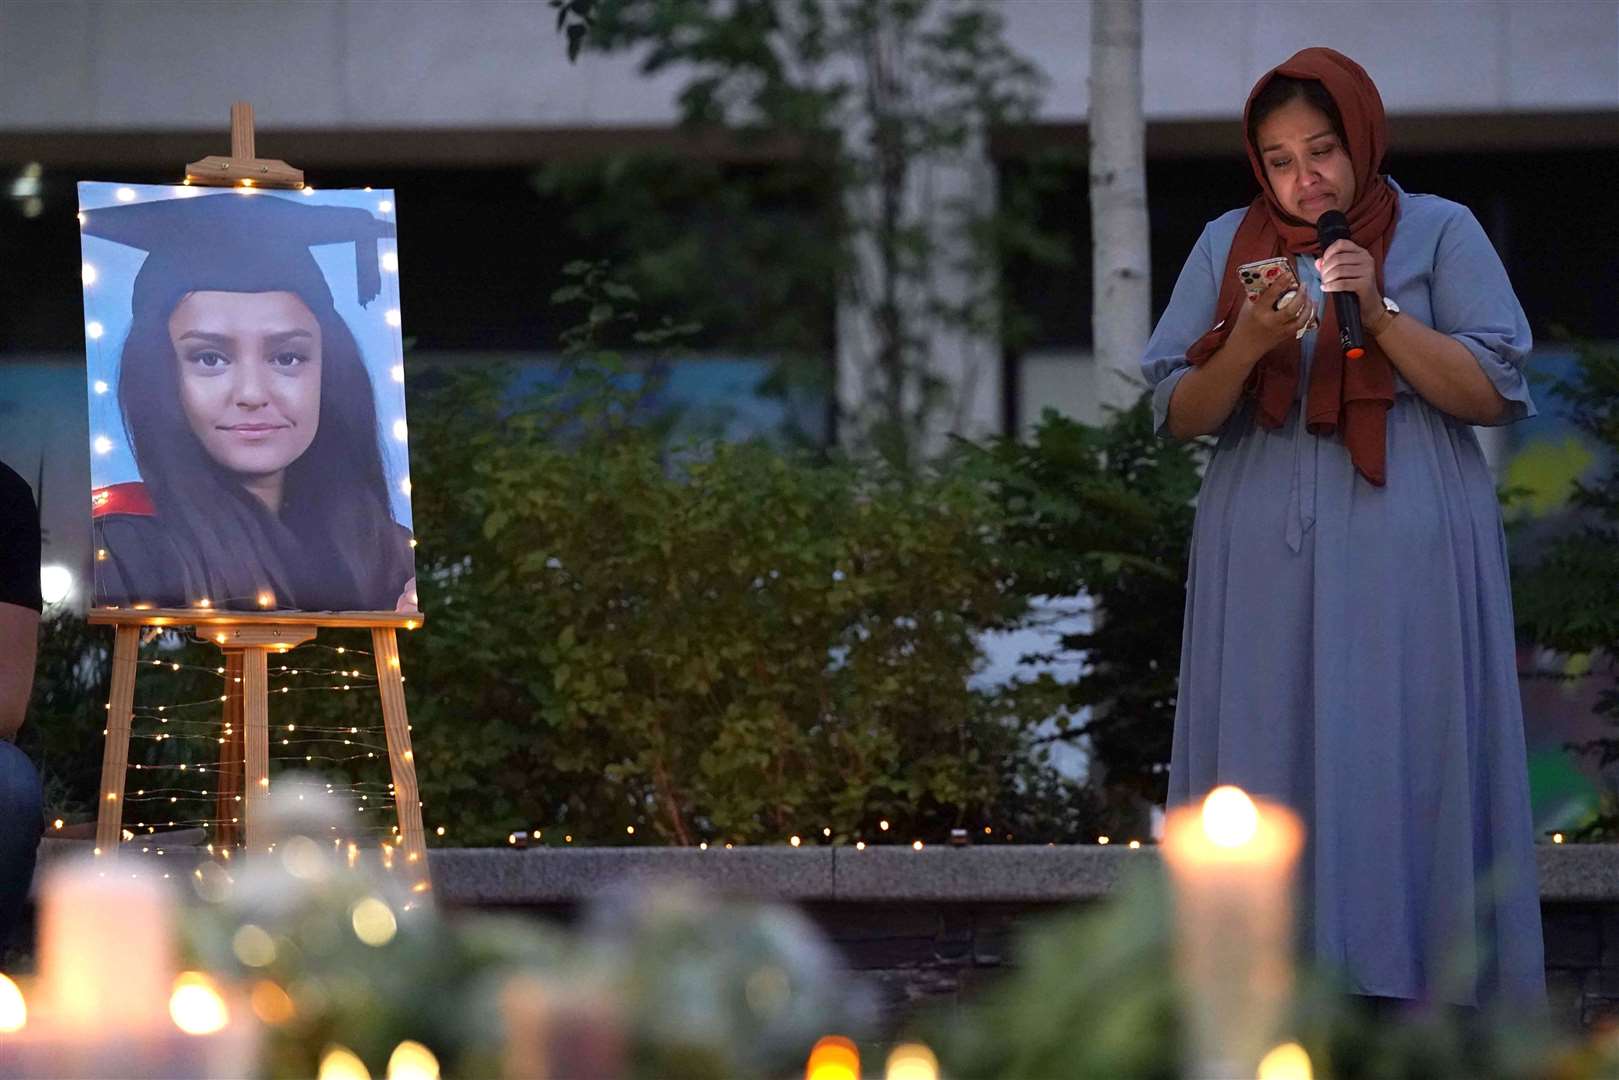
22	821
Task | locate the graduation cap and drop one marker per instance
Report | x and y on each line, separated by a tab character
231	242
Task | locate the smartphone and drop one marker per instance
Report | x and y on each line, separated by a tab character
1258	276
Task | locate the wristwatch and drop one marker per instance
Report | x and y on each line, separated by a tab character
1393	309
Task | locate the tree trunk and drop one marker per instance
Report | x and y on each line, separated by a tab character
1121	304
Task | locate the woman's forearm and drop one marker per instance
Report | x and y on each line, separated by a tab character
1440	369
1205	396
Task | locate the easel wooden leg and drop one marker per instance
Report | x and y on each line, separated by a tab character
407	799
256	741
228	780
115	748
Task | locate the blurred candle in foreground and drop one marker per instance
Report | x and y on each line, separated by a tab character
412	1061
1231	861
912	1061
341	1063
13	1010
106	950
1287	1062
833	1058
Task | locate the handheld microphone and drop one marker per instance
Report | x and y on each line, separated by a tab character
1330	228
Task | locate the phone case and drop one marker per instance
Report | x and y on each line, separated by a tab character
1257	276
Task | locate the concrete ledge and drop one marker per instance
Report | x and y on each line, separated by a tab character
1569	873
500	877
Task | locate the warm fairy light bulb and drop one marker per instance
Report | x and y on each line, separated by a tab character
1557	838
93	330
253	946
860	845
102	444
400	431
271	1003
195	1005
391	317
883	824
397	373
916	845
1286	1062
308	191
1104	840
1230	818
13	1010
266	600
87	273
833	1058
1134	844
793	840
373	922
124	194
341	1063
412	1061
404	486
385	207
390	262
912	1061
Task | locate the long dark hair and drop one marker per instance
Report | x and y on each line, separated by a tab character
1284	88
335	524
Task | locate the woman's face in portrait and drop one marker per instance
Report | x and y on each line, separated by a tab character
249	369
1307	164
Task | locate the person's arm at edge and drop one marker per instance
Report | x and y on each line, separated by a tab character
1470	289
1205	396
19	649
1439	368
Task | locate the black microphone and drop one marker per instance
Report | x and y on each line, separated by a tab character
1329	229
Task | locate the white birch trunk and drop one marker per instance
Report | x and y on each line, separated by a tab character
1121	304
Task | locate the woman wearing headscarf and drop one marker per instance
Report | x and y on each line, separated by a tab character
1348	646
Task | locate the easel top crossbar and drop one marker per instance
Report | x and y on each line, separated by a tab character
214	617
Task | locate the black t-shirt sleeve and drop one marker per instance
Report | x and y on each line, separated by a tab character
19	542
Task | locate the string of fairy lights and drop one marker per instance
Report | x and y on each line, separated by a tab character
183	753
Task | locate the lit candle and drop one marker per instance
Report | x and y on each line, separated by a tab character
106	949
1232	861
108	1002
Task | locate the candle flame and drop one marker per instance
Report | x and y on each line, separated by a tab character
196	1007
341	1063
412	1061
13	1010
1230	818
833	1058
1286	1062
912	1061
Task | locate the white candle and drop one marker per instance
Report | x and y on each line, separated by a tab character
1232	862
106	948
107	988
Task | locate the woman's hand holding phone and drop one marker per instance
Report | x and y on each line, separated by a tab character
1280	311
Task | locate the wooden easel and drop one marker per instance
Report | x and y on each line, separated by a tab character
247	639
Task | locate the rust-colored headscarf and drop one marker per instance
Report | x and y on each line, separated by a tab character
1348	396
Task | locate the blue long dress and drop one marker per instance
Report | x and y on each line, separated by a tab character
1348	649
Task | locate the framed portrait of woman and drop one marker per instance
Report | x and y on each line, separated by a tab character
247	408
